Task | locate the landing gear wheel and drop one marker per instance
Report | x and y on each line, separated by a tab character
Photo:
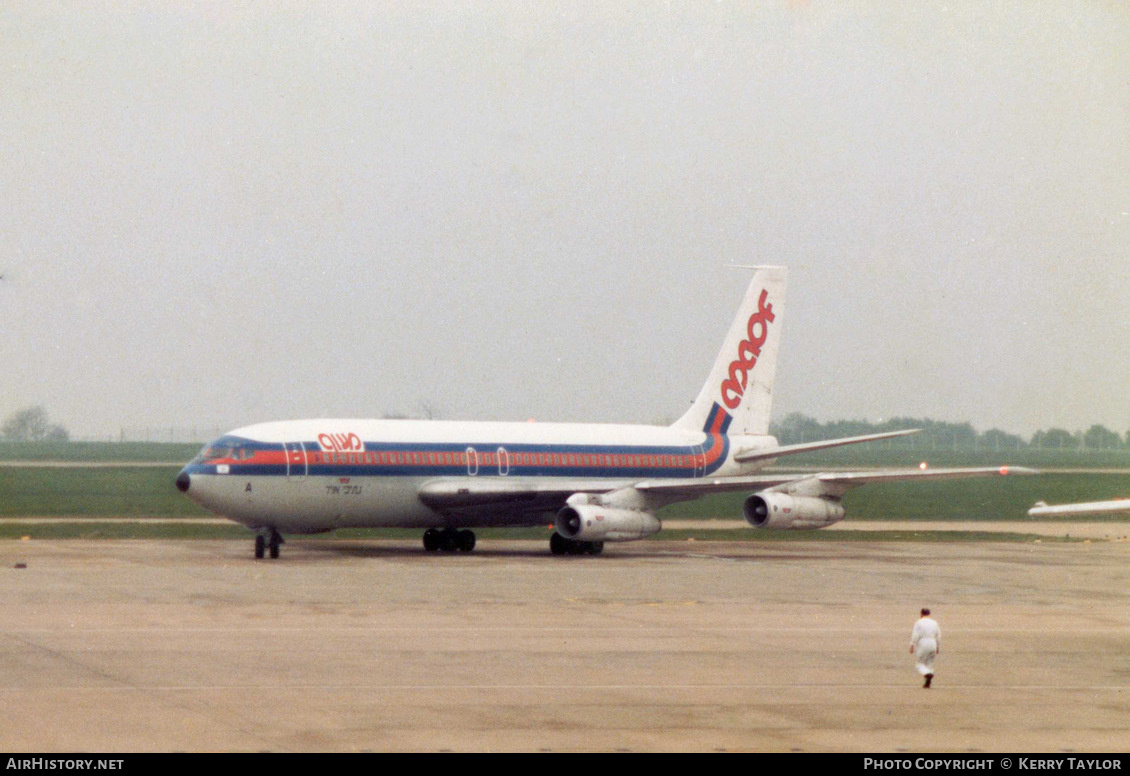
465	540
558	544
260	546
447	540
455	540
431	540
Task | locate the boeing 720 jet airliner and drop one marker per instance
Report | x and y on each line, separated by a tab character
594	482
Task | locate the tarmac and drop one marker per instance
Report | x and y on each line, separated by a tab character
375	645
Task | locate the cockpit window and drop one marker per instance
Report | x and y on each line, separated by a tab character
224	450
213	452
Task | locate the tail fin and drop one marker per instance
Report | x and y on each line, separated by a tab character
741	382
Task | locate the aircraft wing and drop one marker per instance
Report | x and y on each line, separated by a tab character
827	483
510	498
1117	507
506	497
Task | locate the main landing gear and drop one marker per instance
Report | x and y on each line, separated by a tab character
559	545
449	540
268	539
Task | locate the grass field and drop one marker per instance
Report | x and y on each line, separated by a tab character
87	493
110	491
97	452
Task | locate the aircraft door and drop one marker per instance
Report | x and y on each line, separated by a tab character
297	466
472	462
503	462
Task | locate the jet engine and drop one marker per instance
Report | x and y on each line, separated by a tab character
769	509
595	523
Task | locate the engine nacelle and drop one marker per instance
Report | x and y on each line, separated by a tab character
595	523
768	509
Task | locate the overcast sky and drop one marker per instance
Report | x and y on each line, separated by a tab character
213	214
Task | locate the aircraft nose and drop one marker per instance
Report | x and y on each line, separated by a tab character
183	481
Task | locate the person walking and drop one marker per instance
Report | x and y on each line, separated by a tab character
925	644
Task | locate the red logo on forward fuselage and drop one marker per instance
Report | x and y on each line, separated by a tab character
757	330
341	443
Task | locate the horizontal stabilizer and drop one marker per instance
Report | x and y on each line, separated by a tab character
745	456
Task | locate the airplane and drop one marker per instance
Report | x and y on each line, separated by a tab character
595	483
1116	507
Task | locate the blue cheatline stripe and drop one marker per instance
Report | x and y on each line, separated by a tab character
339	465
717	424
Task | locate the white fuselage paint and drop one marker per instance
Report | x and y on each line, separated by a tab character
308	476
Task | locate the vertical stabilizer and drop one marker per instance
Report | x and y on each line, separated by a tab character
741	382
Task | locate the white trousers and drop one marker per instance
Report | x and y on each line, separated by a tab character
925	654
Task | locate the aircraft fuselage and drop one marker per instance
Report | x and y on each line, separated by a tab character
316	475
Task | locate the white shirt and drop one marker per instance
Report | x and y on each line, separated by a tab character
926	628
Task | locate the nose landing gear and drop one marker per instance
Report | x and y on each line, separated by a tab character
268	540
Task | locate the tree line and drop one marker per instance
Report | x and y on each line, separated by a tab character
33	424
797	428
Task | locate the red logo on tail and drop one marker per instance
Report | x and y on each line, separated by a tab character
757	330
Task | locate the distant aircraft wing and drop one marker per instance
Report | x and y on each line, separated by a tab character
1117	507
